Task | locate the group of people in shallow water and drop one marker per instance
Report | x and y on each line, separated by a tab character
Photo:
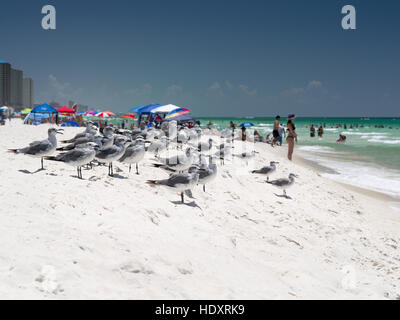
278	134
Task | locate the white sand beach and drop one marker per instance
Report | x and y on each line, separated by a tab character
120	238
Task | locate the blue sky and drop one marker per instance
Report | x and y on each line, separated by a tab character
221	58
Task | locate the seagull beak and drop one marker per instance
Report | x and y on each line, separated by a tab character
60	131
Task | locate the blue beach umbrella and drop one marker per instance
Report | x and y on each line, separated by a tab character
247	125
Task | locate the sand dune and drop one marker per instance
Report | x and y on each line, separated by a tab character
118	238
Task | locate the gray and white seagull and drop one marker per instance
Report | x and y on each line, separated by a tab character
40	149
268	170
179	182
284	183
78	157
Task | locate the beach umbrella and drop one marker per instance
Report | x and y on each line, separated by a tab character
26	111
4	108
110	113
103	115
177	112
91	112
129	116
247	125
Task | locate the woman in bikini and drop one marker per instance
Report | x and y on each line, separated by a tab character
292	136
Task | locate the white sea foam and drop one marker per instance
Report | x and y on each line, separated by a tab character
318	149
357	133
378	140
374	137
355	173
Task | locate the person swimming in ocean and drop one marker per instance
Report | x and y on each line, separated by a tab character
312	131
342	138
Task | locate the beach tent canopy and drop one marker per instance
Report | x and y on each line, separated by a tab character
44	108
136	109
149	109
4	108
65	110
165	109
181	118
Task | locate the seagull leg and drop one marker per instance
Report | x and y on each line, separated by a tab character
137	168
130	167
77	170
42	163
182	197
204	188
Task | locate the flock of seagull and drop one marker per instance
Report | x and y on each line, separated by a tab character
197	164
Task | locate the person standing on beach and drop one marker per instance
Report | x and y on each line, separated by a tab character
275	132
292	136
282	132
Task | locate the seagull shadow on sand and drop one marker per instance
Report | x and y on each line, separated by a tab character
283	196
29	172
118	176
192	204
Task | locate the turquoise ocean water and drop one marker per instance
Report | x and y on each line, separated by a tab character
370	158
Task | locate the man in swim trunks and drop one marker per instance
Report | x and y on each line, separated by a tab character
275	133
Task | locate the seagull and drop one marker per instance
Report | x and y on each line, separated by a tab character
75	143
134	153
91	130
246	156
40	149
113	153
78	157
267	170
178	163
108	139
224	150
158	145
179	182
206	173
205	146
284	183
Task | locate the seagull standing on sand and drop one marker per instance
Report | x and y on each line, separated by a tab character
206	173
134	153
284	183
158	145
179	182
40	149
267	170
113	153
90	131
177	163
205	146
78	157
108	138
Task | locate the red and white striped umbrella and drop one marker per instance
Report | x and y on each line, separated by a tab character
103	115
